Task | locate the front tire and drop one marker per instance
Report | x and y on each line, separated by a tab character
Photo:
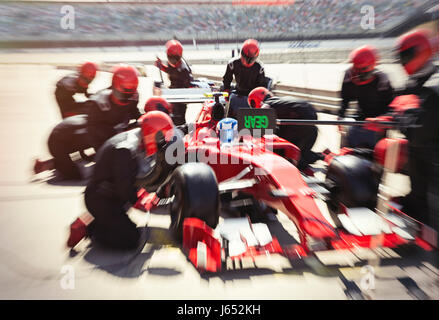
195	190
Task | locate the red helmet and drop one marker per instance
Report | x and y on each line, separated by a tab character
414	50
257	96
364	61
124	84
157	127
159	104
174	51
249	52
87	72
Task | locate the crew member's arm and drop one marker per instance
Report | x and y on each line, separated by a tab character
185	75
228	77
387	93
158	63
261	79
345	95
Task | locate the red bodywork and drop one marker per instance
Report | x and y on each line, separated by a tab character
278	183
271	171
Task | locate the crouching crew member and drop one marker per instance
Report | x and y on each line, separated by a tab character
121	163
72	84
109	112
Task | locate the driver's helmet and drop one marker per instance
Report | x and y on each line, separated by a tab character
227	131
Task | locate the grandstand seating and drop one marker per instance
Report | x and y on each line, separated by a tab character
207	20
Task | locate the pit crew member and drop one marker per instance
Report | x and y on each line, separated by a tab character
248	74
122	164
109	112
418	115
72	84
372	90
180	76
303	137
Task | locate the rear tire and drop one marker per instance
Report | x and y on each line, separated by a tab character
195	189
353	182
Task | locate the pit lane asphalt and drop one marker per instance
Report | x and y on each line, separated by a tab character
35	213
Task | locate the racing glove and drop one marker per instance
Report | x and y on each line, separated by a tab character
375	124
401	104
158	63
145	200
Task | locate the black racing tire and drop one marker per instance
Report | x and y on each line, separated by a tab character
161	170
352	181
195	190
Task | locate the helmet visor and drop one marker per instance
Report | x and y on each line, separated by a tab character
249	60
161	107
363	74
406	56
174	59
124	96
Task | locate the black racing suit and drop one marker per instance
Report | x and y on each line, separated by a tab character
246	78
422	132
106	118
303	137
373	100
69	136
121	168
180	77
66	88
112	191
81	132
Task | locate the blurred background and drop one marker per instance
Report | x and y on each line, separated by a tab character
36	23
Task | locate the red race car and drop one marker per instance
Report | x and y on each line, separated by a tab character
261	171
